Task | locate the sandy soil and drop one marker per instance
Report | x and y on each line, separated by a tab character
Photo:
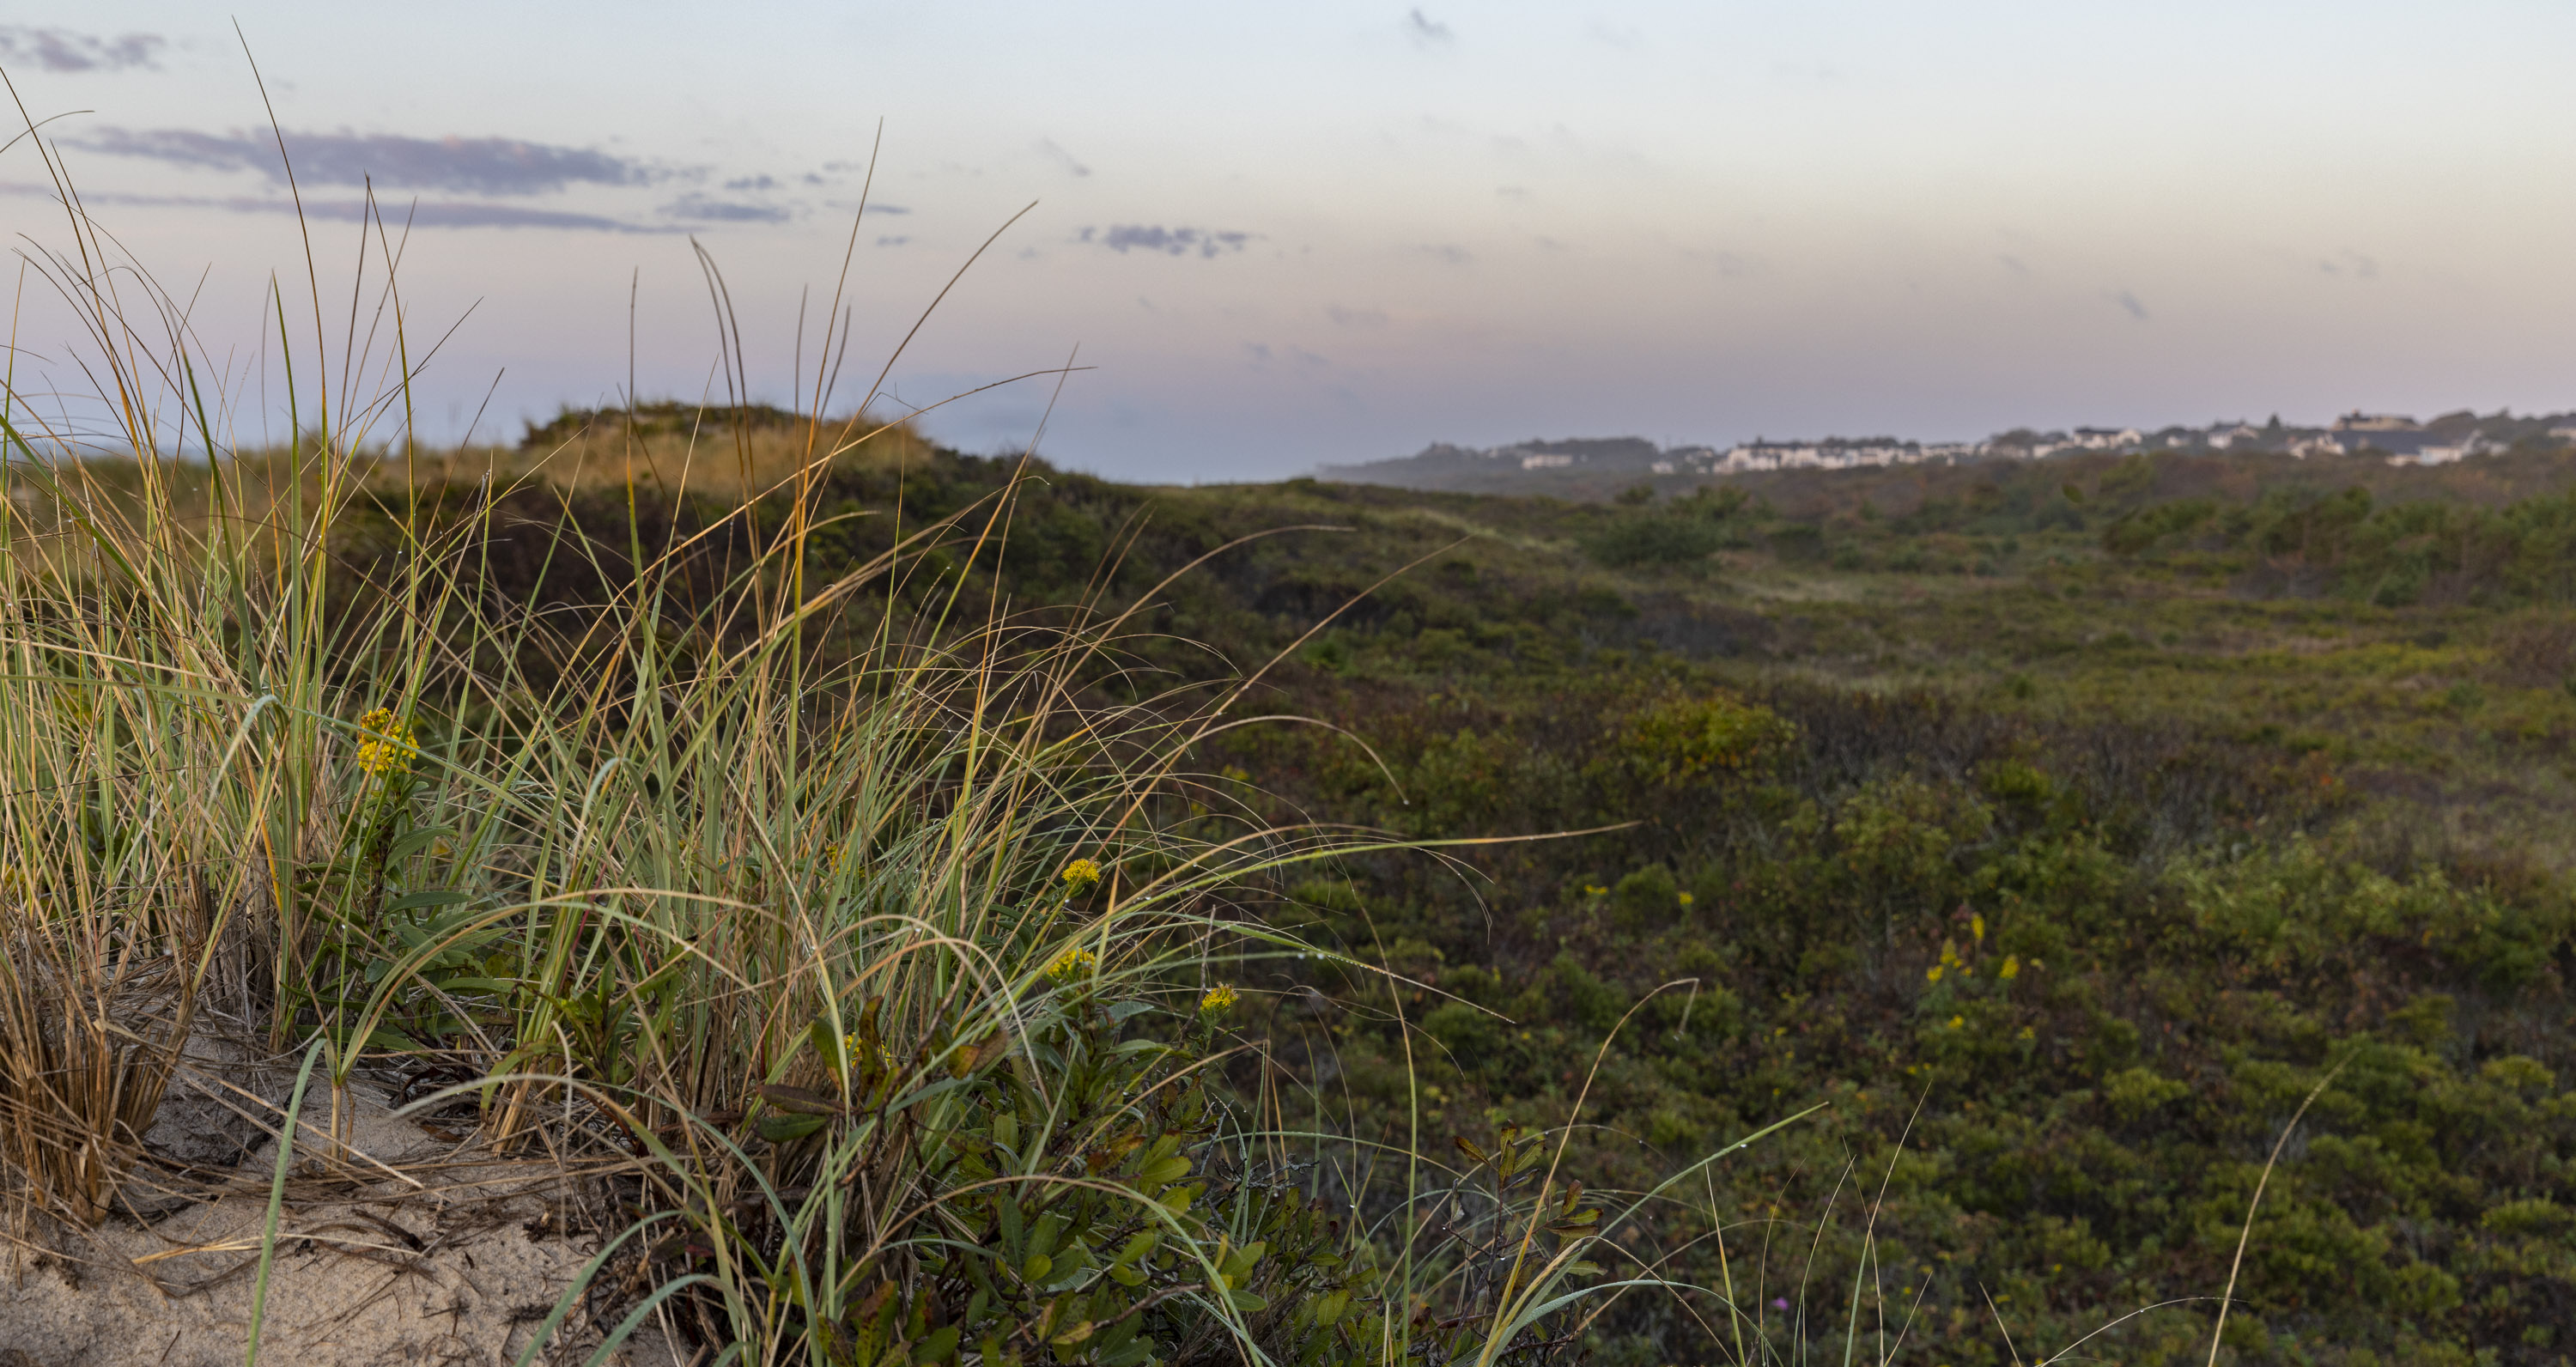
411	1252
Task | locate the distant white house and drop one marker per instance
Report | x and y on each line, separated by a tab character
1836	455
1545	461
2105	438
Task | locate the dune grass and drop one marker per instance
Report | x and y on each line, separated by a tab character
876	959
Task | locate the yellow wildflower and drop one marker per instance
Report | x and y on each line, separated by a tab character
2011	968
1957	1021
1933	974
1687	899
1218	998
388	747
850	1053
1073	963
1080	874
1977	927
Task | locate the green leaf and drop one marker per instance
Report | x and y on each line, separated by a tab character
781	1129
800	1101
414	901
476	984
413	842
828	1045
389	1038
1140	1245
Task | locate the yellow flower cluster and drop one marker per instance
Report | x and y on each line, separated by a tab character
388	746
1080	874
850	1053
1073	963
1218	998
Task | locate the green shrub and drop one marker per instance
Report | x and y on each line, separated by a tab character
1654	539
1719	735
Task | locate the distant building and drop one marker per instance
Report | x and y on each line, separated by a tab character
2358	421
1836	454
2105	438
1545	461
2402	446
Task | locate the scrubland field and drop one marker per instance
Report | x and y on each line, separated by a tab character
944	909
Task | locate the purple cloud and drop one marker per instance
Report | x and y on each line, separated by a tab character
1126	237
489	166
54	49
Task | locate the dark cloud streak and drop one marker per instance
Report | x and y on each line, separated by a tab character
1126	237
433	214
699	208
61	50
488	166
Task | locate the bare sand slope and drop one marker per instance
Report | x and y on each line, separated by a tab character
407	1251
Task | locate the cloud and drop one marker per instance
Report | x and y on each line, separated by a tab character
1425	30
892	241
1449	252
433	214
2352	264
487	166
1048	147
1258	351
698	208
54	49
763	182
1355	318
2013	264
1126	237
2130	302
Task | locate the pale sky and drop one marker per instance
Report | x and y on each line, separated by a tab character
1287	235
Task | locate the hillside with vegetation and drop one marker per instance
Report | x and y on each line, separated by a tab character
972	910
2057	829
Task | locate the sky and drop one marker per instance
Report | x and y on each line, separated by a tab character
1275	237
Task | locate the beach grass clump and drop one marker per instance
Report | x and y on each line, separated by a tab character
870	943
